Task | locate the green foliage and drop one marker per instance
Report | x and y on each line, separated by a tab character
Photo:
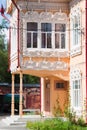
31	79
5	76
57	111
53	124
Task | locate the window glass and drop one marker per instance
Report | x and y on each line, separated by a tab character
46	35
60	27
76	93
76	30
31	26
46	27
32	29
60	35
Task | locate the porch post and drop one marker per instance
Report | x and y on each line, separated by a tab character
20	103
51	95
42	95
12	101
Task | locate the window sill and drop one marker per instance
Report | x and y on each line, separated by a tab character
76	51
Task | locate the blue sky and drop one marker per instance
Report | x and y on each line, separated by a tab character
3	2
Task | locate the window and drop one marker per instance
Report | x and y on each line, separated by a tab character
76	30
59	85
60	35
76	93
32	34
41	35
46	34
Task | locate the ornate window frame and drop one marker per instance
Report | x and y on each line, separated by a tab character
75	90
75	31
43	17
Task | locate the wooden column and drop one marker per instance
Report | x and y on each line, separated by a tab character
12	102
42	95
51	95
21	87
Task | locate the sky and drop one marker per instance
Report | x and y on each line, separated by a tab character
2	2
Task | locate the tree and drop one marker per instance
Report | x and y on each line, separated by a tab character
5	76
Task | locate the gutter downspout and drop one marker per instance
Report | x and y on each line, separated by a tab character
17	31
9	49
86	60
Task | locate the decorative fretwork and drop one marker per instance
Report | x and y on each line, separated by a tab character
50	53
75	74
45	65
44	16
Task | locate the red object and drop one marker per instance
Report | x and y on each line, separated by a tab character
86	61
2	10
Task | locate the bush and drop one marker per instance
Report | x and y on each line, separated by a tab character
53	124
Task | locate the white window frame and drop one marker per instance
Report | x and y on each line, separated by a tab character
52	36
40	18
76	84
75	90
75	32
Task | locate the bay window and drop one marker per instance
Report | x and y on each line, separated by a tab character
46	35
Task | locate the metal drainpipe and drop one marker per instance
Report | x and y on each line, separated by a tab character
9	49
86	60
17	30
40	94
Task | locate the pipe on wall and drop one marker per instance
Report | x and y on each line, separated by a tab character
9	49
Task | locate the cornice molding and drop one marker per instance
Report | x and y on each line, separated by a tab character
42	6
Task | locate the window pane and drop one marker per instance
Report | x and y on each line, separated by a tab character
46	27
28	39
76	22
35	40
31	26
76	93
43	45
60	27
62	40
57	40
49	40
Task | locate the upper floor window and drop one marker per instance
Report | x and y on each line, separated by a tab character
76	30
32	29
46	35
60	35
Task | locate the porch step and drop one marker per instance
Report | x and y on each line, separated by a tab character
20	121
